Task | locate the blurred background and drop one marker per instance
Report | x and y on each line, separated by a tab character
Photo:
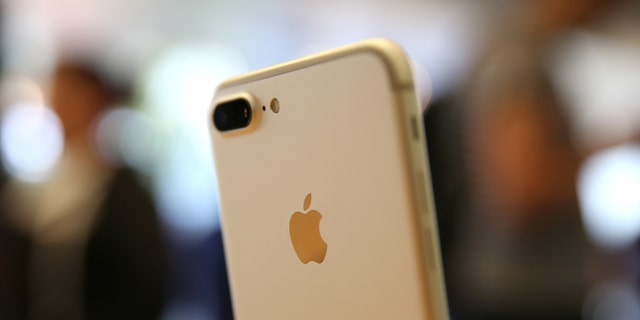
107	189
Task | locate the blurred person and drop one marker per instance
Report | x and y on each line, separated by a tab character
523	251
97	251
504	169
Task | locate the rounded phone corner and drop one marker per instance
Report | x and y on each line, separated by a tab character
394	58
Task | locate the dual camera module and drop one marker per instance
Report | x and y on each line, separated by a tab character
237	113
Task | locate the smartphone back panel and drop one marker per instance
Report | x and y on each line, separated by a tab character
346	153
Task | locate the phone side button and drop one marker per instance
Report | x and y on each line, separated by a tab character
421	193
413	123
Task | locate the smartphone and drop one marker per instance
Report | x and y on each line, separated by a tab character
324	189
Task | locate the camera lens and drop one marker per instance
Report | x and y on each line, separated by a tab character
231	115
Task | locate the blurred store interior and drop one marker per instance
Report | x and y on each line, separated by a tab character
108	187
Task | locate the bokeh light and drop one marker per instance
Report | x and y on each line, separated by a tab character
609	193
126	136
177	93
31	141
597	76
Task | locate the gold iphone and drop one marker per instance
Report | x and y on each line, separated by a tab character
325	194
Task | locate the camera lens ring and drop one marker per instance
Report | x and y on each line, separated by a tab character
232	114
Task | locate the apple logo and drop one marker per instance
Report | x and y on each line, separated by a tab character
304	229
